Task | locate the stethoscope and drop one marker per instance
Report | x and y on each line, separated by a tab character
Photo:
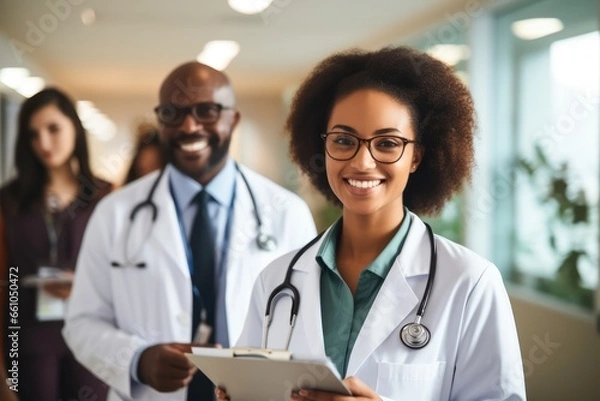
264	241
414	335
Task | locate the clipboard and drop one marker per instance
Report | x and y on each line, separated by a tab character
48	275
250	374
37	281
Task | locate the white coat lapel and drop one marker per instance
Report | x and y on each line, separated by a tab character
166	231
241	262
308	283
243	226
396	299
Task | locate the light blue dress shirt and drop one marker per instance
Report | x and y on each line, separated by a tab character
222	191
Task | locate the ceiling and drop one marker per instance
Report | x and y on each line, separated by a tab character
133	44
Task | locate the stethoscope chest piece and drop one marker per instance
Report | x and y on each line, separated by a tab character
415	335
266	242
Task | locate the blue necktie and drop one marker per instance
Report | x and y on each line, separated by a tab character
203	285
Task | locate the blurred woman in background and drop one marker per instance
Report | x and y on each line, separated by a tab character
45	210
148	154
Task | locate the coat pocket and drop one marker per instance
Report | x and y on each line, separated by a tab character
417	381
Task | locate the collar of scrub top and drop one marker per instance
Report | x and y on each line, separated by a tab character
326	254
221	189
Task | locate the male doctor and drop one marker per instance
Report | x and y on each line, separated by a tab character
140	295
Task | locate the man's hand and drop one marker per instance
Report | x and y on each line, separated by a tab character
165	368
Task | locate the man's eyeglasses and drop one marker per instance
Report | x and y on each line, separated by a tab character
204	113
343	146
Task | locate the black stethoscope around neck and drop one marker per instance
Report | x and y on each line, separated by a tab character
264	241
414	335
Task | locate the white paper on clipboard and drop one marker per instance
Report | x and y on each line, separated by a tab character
248	376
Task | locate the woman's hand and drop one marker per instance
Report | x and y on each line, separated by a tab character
359	390
61	289
58	290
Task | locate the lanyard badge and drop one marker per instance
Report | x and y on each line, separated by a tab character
203	331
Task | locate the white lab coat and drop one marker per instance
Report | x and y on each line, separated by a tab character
113	312
473	353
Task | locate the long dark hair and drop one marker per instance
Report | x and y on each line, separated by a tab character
32	176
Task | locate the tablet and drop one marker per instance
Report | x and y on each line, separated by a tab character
251	377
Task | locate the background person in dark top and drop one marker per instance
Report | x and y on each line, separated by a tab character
45	211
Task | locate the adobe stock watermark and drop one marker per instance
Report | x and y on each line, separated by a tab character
85	393
539	353
552	134
274	9
110	366
37	30
306	380
484	200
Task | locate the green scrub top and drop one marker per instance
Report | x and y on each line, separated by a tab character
342	314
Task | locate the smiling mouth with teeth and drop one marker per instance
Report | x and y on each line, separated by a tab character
363	184
194	146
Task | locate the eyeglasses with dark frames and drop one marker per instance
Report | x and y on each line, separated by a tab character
204	113
343	146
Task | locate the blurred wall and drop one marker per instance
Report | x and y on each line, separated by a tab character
111	159
560	348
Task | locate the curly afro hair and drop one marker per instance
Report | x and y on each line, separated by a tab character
442	109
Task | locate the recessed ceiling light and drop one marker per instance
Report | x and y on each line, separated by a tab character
13	76
535	28
249	6
95	122
31	86
219	53
88	16
85	109
18	79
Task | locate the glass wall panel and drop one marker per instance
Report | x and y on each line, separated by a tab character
548	123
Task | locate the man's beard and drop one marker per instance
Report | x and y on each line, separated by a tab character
218	153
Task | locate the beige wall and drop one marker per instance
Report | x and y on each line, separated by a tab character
560	348
111	159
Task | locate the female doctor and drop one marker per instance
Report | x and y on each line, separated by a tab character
395	130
